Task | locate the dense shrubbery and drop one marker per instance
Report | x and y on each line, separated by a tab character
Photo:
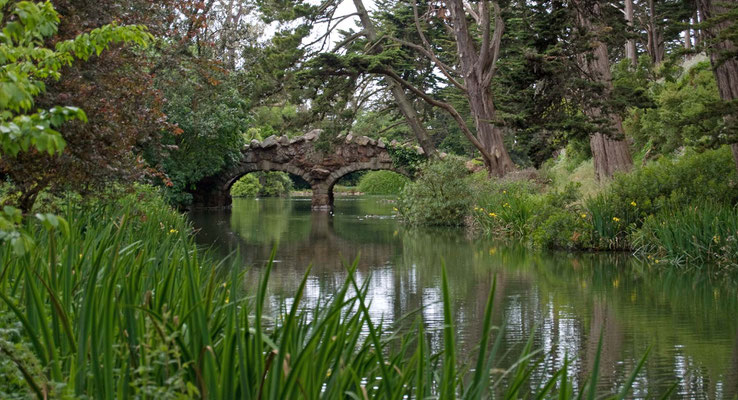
122	305
680	210
247	186
439	195
382	182
262	184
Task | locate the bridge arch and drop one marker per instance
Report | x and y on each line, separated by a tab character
298	156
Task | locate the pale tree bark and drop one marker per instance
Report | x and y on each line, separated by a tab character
725	68
478	68
403	103
655	43
630	45
609	149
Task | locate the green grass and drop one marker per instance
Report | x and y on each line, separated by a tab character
124	305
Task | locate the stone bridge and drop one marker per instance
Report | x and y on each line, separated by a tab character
298	156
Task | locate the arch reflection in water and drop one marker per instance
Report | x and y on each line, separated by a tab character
563	300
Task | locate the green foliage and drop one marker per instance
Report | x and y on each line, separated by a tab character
701	235
504	207
247	186
263	184
675	182
406	157
274	184
26	64
658	210
686	112
382	182
440	195
210	134
110	315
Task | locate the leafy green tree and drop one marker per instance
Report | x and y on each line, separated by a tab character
687	112
27	63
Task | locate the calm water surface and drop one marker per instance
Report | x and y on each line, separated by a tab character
563	300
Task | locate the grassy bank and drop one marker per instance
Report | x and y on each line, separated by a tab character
123	305
679	210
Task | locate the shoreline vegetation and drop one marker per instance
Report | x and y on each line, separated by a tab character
678	211
96	311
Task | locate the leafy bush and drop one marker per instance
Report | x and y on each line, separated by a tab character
382	182
563	229
274	184
263	184
668	183
247	186
441	195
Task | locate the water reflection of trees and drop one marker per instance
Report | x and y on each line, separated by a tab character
564	300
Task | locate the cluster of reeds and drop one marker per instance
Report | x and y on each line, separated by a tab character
123	305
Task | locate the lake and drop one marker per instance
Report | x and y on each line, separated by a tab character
563	301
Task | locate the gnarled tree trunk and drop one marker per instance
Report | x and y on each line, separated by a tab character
609	149
489	134
478	66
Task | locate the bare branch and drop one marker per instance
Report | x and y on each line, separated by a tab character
445	69
485	51
495	45
471	12
441	104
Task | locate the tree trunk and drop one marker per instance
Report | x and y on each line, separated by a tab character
688	39
412	119
610	153
726	70
489	133
406	108
630	46
477	66
655	45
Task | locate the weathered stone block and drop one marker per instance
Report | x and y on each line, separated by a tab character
362	140
269	142
312	135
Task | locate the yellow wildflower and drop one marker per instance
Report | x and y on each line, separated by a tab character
633	203
616	219
584	215
504	192
173	231
716	239
493	215
506	205
395	209
492	251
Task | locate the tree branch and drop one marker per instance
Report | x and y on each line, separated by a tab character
441	104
